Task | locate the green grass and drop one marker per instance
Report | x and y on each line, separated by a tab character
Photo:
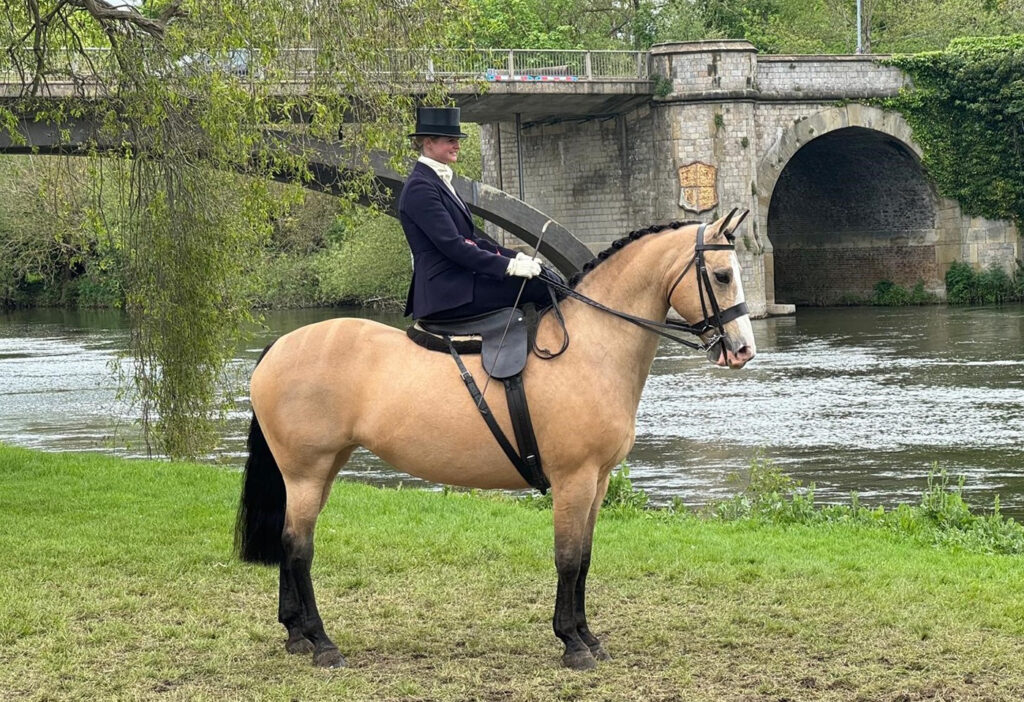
118	582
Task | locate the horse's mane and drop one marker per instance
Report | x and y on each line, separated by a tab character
620	243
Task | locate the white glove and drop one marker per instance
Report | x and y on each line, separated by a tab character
521	268
520	256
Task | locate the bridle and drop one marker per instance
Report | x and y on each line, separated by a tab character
714	321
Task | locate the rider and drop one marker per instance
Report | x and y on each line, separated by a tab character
455	272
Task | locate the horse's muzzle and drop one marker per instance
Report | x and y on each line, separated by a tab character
721	354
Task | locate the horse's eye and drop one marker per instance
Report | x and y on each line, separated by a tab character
723	277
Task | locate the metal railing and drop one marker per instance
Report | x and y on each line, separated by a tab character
302	64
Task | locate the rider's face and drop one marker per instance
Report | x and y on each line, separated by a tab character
442	149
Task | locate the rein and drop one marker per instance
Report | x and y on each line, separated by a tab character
717	320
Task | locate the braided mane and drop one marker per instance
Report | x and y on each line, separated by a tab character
621	243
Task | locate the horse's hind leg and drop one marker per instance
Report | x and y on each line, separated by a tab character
573	502
592	642
297	609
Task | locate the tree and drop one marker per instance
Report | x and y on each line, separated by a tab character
830	26
189	88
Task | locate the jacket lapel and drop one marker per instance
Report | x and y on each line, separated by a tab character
458	201
429	172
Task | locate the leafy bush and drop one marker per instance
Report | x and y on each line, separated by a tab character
621	493
769	495
286	281
967	112
370	264
889	294
965	286
942	518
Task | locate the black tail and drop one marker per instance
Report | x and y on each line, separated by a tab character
260	518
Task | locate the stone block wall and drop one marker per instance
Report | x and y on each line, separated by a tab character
826	77
593	177
846	274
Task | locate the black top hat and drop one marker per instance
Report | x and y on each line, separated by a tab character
438	121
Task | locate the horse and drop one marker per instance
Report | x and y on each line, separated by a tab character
322	390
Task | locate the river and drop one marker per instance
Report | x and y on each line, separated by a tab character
864	400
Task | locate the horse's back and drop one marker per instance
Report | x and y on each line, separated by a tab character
314	375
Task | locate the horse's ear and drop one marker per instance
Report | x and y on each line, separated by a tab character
732	221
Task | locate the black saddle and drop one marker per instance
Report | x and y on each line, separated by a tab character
483	334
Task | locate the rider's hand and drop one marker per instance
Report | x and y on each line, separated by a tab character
528	268
520	256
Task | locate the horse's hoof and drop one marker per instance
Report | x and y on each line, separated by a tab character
579	660
299	644
597	650
329	658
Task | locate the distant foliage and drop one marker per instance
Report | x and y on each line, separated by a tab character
965	286
967	113
370	265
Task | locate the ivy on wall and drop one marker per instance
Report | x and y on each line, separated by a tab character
967	113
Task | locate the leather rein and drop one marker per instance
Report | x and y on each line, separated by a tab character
714	321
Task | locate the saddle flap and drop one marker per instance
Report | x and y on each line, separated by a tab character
501	359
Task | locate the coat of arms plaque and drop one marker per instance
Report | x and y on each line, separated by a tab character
697	191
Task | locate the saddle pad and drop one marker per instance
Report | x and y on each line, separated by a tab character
469	344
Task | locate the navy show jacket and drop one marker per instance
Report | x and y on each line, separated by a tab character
447	255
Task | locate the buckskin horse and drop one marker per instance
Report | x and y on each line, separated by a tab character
324	389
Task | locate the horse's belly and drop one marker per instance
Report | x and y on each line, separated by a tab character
453	457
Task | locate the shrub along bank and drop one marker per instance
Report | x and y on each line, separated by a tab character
119	583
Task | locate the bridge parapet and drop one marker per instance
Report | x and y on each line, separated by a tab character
827	78
731	69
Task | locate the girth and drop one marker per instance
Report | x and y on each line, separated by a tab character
503	354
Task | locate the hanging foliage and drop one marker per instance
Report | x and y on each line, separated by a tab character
183	95
967	112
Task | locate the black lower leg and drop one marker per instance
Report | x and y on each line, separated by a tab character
577	653
289	613
303	619
580	603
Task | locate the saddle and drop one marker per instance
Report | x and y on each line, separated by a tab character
503	339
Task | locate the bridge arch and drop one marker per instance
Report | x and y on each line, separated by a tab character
329	165
845	203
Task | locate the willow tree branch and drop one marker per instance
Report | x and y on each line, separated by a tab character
107	12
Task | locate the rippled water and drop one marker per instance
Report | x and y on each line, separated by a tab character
851	399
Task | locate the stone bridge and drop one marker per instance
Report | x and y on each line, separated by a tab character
838	197
607	142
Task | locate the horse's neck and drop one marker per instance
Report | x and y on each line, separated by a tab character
632	281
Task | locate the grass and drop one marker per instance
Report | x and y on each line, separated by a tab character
118	582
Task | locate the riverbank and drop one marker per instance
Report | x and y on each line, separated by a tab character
120	583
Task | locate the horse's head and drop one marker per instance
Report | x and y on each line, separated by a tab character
711	295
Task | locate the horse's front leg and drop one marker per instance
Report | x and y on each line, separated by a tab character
573	503
592	642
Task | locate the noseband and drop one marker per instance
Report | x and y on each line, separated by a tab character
717	320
